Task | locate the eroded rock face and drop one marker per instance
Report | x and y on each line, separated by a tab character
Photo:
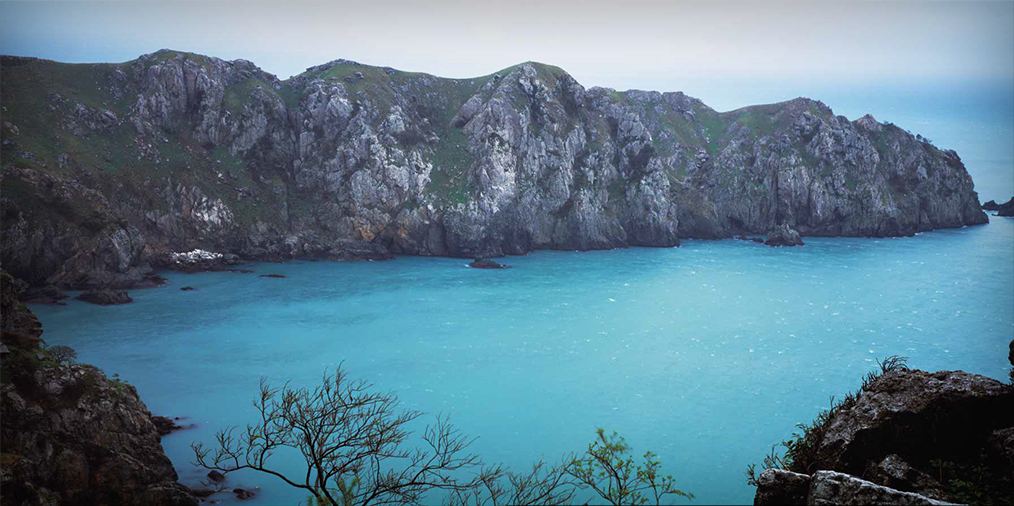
352	161
69	434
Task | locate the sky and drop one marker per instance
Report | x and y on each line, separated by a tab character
629	44
924	62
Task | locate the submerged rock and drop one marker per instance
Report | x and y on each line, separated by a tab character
187	288
783	235
243	494
272	276
485	263
105	297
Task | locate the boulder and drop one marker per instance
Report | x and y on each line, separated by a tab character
778	486
829	487
215	476
485	263
105	297
783	235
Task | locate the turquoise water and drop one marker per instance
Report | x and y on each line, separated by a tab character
706	354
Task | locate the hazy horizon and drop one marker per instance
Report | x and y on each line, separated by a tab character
664	46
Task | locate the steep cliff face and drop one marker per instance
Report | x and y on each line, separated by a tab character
69	434
181	151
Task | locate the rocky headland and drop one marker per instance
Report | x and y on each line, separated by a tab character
71	435
1005	209
906	437
191	162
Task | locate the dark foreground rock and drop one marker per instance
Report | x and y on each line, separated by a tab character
70	435
954	410
105	297
485	263
783	235
946	436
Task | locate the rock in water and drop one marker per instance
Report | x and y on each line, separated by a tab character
187	288
166	425
105	297
485	263
279	276
783	235
990	206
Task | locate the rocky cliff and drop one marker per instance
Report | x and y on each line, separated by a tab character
69	434
108	169
907	437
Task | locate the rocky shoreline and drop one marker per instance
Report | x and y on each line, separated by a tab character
71	435
182	152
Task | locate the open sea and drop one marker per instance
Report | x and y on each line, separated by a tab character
707	354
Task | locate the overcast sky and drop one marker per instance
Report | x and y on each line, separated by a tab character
708	49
